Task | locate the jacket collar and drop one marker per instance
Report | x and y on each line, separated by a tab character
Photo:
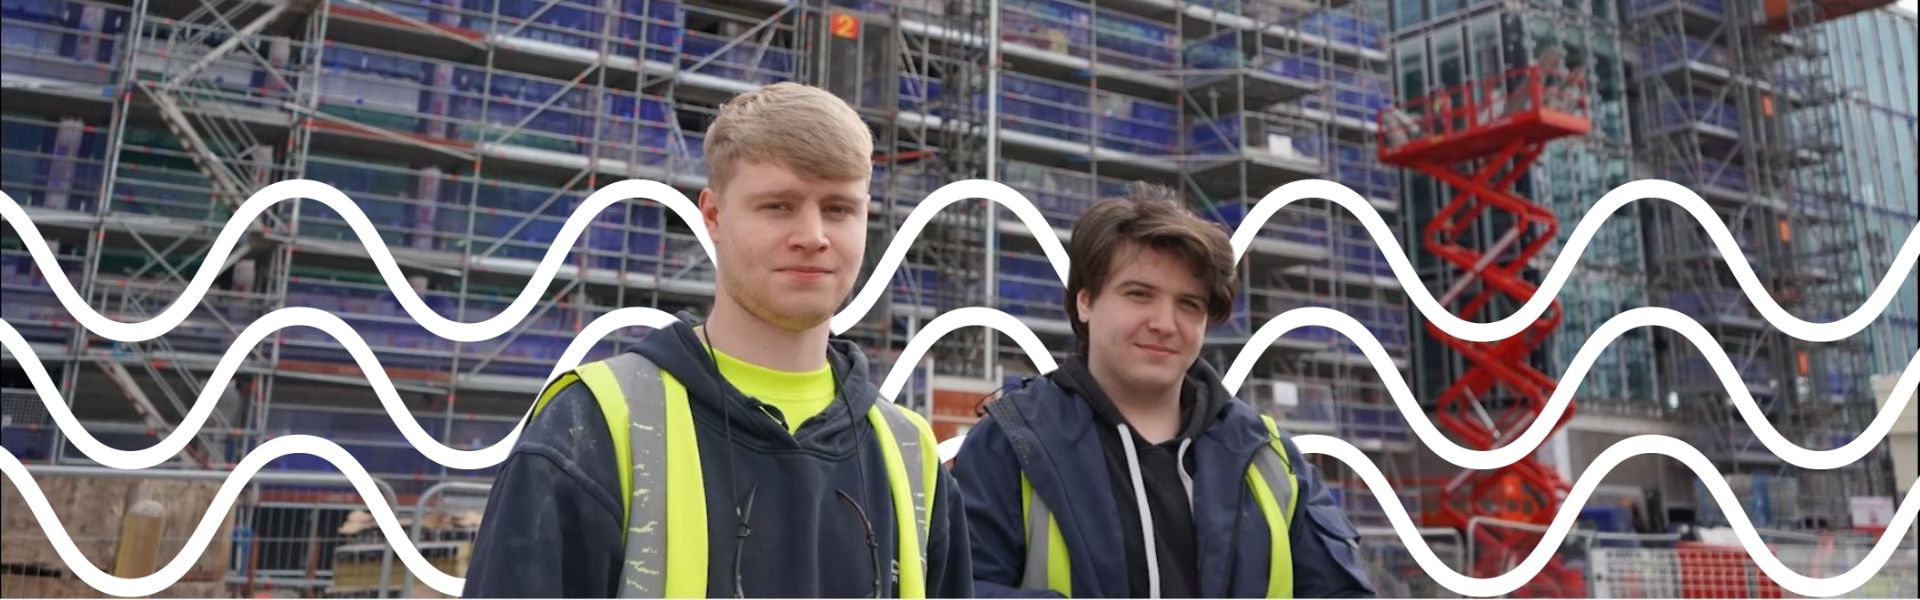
1206	408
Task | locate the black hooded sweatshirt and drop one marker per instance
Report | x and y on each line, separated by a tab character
1165	474
552	526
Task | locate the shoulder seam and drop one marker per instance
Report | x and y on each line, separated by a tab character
535	450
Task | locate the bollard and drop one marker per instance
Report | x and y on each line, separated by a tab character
140	529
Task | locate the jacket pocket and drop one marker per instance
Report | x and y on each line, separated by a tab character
1331	527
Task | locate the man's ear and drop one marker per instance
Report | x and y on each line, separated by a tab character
709	210
1083	304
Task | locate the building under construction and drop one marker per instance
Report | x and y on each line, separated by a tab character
468	131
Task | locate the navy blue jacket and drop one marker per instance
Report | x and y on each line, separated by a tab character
1061	455
552	523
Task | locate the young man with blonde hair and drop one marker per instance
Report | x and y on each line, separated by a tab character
1130	471
747	455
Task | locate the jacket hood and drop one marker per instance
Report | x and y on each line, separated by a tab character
679	350
1203	398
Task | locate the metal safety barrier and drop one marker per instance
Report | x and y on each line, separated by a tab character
289	531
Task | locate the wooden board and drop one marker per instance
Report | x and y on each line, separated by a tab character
356	567
31	586
90	509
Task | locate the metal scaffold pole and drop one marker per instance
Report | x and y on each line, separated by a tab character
991	366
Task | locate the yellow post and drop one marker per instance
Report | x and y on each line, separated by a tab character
140	529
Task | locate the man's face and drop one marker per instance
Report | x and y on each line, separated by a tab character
788	249
1149	321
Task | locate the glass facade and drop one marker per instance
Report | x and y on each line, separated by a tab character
1819	192
1444	43
1408	13
1874	58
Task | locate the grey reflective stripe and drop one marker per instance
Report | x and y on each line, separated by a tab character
907	437
1039	519
1267	464
644	574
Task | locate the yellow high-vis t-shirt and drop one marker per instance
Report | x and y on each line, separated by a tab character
798	395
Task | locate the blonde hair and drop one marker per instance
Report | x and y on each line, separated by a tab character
803	128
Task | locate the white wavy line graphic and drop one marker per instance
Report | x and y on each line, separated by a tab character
543	273
985	317
1577	369
594	332
1308	444
1416	290
1243	236
972	316
363	356
922	343
350	340
923	213
917	220
377	251
223	501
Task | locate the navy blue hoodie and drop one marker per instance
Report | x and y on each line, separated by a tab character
1052	430
553	519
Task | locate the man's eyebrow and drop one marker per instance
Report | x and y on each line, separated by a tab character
1150	287
788	195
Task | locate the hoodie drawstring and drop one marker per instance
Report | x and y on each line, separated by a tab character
1146	514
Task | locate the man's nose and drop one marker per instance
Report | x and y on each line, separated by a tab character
1161	317
809	232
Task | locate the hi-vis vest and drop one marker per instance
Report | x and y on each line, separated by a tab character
1271	477
666	513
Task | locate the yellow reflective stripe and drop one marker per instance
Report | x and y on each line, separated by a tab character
553	389
613	405
1280	558
686	498
912	581
1280	579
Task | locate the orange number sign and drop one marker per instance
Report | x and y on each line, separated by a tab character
845	26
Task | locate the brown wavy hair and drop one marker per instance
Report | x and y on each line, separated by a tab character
1149	217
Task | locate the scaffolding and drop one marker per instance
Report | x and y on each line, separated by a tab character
469	130
1223	100
466	131
1287	100
1735	101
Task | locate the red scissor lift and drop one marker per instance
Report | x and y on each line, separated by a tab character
1480	138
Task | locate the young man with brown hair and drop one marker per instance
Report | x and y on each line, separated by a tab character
749	455
1130	471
